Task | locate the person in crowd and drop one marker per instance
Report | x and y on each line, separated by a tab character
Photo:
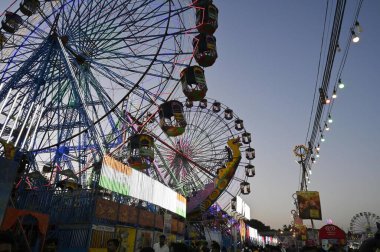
147	249
113	245
178	247
372	244
203	246
7	242
51	245
215	247
246	248
161	245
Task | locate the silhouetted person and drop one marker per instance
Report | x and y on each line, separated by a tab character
113	245
147	249
161	245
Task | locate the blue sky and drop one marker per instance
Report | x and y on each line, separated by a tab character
266	72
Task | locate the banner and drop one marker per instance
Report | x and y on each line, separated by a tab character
242	209
122	179
309	205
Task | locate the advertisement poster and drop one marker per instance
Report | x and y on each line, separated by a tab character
309	205
127	237
167	223
144	238
301	231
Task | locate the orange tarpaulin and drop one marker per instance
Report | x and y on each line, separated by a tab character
12	214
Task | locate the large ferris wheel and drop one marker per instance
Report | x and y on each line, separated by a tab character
81	79
364	224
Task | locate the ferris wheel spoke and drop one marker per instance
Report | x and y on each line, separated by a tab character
187	158
110	66
106	71
206	126
105	26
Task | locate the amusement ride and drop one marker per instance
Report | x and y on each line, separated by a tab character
85	79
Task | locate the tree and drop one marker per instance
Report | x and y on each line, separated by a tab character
261	227
286	228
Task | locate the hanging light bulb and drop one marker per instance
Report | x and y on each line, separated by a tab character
330	120
340	84
358	27
317	155
338	49
318	147
334	94
308	181
328	101
327	127
355	38
310	169
322	138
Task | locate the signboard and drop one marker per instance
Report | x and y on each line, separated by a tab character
309	205
242	209
122	179
331	232
103	228
330	235
127	237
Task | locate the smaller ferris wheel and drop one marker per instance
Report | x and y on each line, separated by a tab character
364	223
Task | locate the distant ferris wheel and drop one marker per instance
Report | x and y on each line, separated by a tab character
364	223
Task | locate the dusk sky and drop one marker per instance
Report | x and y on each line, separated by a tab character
266	72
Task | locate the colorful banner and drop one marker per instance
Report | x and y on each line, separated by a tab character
242	227
309	205
122	179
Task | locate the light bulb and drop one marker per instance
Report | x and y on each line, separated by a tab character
330	120
358	27
327	127
317	155
334	94
340	84
328	101
355	38
322	138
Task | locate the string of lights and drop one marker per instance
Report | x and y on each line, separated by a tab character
323	115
